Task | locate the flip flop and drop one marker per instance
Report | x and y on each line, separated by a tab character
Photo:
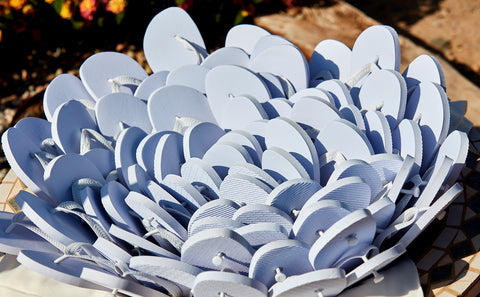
222	156
266	42
253	171
139	243
150	84
168	104
361	169
275	261
113	196
288	135
219	249
213	283
202	176
171	40
351	232
246	140
147	209
117	108
168	156
327	282
15	235
184	192
198	139
19	151
192	76
277	107
342	190
429	102
407	140
125	150
69	120
225	81
285	61
306	112
384	90
61	89
221	208
98	70
292	195
245	36
330	60
226	56
240	110
61	227
59	176
260	213
177	272
244	189
343	136
313	220
259	234
213	223
67	271
376	42
424	68
378	132
282	165
338	90
145	153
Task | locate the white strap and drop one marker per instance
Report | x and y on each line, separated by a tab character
189	46
87	103
81	184
48	145
406	219
362	72
111	176
74	208
118	267
183	123
287	86
18	220
43	157
163	233
90	135
122	80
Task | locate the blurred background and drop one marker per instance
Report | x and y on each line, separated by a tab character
40	39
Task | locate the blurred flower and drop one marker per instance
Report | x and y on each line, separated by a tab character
4	8
17	4
49	1
184	4
289	3
28	9
66	11
244	13
116	6
88	9
1	35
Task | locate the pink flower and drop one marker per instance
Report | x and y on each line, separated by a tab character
88	9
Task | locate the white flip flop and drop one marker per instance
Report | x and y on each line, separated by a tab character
171	40
213	283
100	72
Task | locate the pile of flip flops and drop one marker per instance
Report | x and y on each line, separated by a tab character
248	171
